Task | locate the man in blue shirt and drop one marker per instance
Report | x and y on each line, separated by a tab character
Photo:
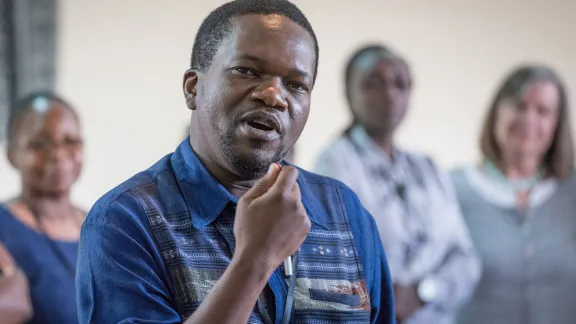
202	235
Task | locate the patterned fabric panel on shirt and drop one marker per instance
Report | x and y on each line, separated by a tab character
330	286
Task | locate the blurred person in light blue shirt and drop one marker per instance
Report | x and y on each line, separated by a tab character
433	264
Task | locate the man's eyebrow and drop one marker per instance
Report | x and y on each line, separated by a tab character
249	58
300	72
293	70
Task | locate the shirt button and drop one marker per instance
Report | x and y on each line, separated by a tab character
529	249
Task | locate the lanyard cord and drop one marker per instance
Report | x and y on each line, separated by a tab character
289	298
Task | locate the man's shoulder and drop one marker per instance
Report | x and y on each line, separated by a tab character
129	197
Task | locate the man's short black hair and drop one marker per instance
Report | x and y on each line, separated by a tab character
217	26
25	104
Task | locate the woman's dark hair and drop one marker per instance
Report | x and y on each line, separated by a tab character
377	49
559	159
25	104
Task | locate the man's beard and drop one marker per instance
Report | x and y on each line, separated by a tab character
249	165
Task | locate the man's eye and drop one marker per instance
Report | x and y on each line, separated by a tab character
245	71
298	87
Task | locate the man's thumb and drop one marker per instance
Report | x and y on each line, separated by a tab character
262	186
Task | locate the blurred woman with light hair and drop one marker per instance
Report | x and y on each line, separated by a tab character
519	205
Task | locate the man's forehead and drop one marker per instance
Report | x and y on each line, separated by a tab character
271	21
262	37
251	28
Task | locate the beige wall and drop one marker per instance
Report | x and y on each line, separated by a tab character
121	63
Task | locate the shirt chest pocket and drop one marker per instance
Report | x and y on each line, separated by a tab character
330	294
352	300
331	301
330	283
325	300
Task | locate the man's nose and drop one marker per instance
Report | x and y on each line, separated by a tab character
272	93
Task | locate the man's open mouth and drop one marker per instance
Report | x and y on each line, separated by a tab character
260	126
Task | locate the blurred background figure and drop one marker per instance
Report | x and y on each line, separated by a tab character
42	226
519	205
15	305
433	264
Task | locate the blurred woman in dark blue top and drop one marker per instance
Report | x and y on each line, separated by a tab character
42	227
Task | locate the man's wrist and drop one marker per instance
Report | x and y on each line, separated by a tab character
252	269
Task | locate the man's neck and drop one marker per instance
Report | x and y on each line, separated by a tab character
234	183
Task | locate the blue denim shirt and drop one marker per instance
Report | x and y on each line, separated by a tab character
152	249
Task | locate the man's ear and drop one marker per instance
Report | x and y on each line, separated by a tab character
189	87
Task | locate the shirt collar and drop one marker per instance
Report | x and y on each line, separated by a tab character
369	148
505	196
206	198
